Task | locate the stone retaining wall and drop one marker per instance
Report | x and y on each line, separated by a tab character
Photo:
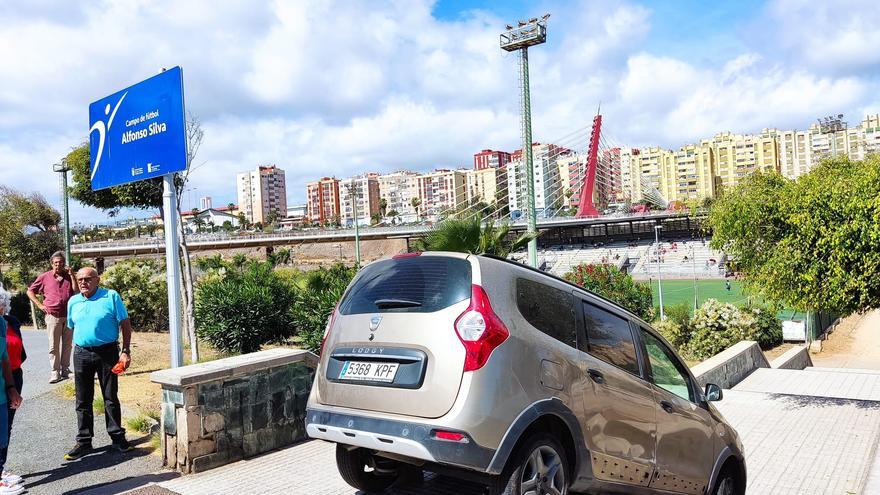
729	367
796	358
222	411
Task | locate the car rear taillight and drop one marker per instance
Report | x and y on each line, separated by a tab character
480	330
450	436
330	320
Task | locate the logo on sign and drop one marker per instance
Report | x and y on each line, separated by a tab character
103	128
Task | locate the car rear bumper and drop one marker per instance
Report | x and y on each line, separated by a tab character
414	440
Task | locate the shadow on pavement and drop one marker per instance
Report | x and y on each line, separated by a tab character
799	401
126	484
100	458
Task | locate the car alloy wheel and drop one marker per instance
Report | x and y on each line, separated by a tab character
542	473
726	487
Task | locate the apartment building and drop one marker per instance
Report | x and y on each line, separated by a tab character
738	155
261	191
441	191
359	199
548	186
322	201
490	159
399	189
487	185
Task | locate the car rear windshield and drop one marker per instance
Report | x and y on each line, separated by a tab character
420	284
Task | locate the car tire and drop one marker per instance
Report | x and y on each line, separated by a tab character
539	467
358	468
727	484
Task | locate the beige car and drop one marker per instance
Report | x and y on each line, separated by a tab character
485	369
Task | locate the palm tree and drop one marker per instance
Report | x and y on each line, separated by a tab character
472	235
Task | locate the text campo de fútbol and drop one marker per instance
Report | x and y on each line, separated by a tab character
153	129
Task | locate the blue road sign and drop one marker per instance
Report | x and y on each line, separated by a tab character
138	133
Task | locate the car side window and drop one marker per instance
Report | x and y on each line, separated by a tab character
666	369
547	309
610	338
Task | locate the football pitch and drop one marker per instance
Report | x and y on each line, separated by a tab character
682	291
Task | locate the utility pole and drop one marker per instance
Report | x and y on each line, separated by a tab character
659	272
526	34
694	267
354	193
62	169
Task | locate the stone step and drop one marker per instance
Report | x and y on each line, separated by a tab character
833	383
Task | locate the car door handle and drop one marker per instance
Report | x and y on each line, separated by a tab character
667	406
596	375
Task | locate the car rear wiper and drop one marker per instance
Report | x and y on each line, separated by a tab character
395	303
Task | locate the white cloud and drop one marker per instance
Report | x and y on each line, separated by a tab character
338	88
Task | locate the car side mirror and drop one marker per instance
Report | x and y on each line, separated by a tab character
713	392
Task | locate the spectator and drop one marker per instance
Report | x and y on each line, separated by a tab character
15	351
96	315
56	287
727	285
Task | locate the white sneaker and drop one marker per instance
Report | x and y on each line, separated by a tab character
9	489
12	479
55	378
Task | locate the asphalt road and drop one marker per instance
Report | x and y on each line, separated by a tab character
45	428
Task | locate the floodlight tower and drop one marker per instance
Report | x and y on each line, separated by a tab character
526	34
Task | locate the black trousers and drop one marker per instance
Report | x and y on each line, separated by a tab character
18	376
88	362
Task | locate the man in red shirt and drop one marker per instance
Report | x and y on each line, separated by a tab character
56	287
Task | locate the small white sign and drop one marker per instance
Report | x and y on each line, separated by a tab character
794	330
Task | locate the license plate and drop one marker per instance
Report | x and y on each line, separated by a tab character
368	371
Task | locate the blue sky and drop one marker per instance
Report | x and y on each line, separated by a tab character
324	87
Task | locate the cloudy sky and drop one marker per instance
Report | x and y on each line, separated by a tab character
339	88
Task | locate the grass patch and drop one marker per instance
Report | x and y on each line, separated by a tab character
155	442
140	423
678	291
98	405
66	390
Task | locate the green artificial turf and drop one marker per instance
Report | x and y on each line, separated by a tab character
682	291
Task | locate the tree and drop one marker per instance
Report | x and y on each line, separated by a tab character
812	243
28	232
611	283
472	235
416	202
143	194
383	204
315	300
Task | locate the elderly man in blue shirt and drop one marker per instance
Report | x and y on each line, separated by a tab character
96	316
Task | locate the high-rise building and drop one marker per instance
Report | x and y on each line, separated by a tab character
261	191
490	159
441	191
548	187
795	152
689	175
871	128
322	201
738	155
628	160
359	197
572	169
399	189
484	185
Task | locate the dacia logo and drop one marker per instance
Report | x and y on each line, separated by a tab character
374	322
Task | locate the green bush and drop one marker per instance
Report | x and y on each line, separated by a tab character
673	332
679	313
769	328
239	311
144	290
717	326
315	301
21	309
611	283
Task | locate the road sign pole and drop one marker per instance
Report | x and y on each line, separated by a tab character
172	265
